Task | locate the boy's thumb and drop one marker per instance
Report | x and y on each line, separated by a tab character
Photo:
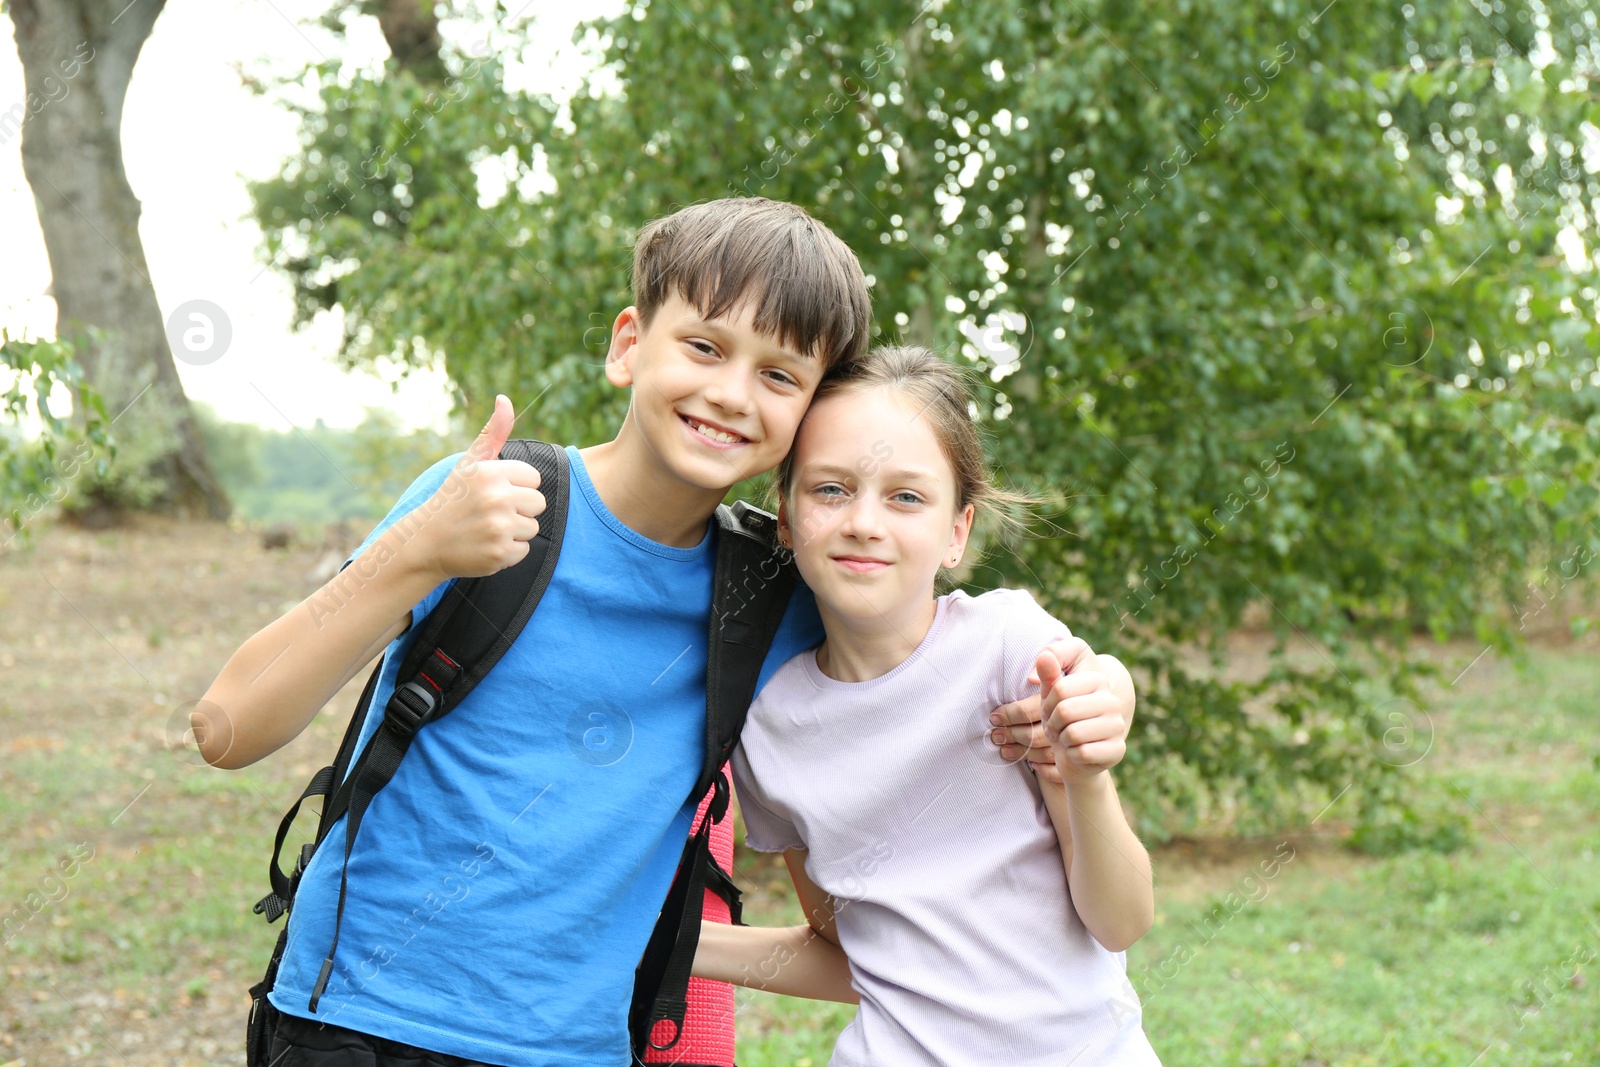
495	432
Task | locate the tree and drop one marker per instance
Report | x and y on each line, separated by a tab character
77	58
1283	303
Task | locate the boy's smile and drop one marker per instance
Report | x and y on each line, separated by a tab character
715	401
712	434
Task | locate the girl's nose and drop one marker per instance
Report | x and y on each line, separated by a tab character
863	519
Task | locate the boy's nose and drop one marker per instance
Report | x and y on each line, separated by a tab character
730	391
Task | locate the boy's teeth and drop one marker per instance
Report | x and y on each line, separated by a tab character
714	433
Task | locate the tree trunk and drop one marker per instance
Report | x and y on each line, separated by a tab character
77	59
411	30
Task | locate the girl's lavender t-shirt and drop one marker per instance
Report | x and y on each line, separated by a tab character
953	904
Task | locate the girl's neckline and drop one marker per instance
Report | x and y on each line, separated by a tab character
808	658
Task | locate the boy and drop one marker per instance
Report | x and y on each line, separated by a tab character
503	887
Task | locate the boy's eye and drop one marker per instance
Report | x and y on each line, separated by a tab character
784	378
705	348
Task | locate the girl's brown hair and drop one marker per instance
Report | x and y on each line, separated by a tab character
943	395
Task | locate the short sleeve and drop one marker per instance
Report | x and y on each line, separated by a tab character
1028	628
426	484
764	829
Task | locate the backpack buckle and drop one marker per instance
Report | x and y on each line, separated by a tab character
303	861
719	797
410	706
272	906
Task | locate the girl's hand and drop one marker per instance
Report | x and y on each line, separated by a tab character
1082	717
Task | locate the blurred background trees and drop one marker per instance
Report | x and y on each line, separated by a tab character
1290	308
1286	305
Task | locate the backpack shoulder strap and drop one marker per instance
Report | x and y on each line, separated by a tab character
473	625
754	580
750	593
460	641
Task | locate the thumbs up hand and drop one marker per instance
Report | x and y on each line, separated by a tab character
481	519
1082	717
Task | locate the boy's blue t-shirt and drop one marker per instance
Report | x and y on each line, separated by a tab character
505	882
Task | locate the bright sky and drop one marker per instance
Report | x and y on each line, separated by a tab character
192	135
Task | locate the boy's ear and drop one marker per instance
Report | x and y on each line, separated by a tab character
625	333
959	536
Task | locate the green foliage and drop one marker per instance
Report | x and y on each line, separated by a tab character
134	480
318	475
1432	819
37	471
1274	292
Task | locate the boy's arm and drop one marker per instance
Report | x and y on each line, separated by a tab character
1107	867
273	686
478	522
1019	727
793	960
798	961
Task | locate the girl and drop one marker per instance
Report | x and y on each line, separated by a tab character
982	911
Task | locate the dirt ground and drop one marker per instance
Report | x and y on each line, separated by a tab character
104	638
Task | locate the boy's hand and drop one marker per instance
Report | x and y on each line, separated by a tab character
1018	729
1082	717
481	519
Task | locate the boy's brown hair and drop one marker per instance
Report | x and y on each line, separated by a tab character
806	285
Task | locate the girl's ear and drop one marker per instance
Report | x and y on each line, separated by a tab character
624	340
958	537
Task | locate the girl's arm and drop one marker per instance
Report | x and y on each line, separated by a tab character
797	961
1108	870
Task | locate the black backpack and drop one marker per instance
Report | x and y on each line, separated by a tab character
460	641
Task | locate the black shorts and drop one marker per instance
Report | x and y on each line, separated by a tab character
303	1043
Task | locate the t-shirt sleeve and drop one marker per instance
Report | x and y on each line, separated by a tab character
1027	629
426	484
764	829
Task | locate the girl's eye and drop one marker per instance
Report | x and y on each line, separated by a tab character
907	497
829	490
